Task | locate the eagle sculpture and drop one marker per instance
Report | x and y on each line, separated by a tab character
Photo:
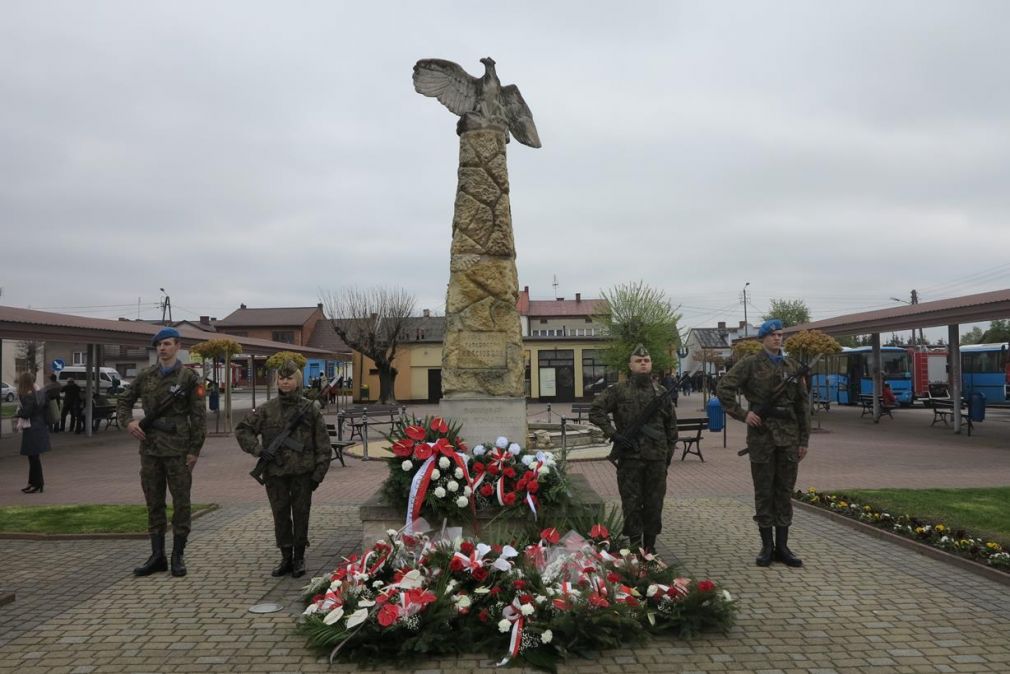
481	102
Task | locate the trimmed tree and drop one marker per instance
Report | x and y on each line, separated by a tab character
639	314
807	345
220	349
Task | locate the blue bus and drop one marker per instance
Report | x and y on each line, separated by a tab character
843	377
984	369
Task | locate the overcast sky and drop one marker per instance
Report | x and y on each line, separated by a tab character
839	153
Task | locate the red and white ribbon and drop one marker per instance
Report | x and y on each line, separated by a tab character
418	490
513	613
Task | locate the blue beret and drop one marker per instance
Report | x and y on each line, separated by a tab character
164	333
769	326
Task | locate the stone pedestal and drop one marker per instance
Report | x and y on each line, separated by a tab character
377	516
482	355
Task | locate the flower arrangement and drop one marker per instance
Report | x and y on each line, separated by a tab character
433	473
532	605
936	534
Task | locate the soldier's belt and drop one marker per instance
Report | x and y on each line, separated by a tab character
164	425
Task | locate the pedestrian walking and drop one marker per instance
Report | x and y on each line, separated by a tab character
33	421
72	407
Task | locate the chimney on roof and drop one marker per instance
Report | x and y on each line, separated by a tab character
561	299
526	289
722	326
742	323
205	320
427	313
319	305
578	297
242	306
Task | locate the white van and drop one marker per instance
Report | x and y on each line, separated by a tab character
108	377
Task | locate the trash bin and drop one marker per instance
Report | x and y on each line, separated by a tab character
214	398
715	416
976	406
364	395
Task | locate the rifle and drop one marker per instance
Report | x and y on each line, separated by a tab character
283	439
635	428
767	410
177	392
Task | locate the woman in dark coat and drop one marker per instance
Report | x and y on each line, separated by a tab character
33	409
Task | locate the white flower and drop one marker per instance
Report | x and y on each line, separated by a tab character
391	532
360	577
482	590
467	491
653	589
624	552
458	473
365	602
310	609
462	502
335	584
463	601
452	485
514	449
540	599
504	625
502	442
479	450
543	470
357	617
526	609
334	615
407	465
377	584
439	492
435	474
527	459
547	636
726	595
443	462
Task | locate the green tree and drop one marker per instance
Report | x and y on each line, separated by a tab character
999	331
639	314
790	312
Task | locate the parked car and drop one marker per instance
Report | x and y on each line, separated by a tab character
109	381
6	392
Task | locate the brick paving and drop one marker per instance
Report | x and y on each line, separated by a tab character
860	605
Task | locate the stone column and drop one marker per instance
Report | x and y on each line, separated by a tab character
482	358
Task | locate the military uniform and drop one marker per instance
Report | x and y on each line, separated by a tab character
293	474
175	435
774	445
641	470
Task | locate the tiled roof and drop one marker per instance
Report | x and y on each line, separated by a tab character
710	338
268	317
559	308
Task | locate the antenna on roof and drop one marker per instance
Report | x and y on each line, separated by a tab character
555	284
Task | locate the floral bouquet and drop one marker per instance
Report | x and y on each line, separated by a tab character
506	475
532	604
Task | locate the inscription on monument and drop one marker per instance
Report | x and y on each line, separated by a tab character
481	350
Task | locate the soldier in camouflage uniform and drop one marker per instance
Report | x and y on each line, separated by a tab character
169	449
777	443
292	475
643	462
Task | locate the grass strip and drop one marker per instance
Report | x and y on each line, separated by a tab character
79	519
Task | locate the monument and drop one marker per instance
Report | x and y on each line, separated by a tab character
483	368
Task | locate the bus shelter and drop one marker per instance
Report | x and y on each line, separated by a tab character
952	313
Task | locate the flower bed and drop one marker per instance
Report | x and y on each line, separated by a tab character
415	595
936	534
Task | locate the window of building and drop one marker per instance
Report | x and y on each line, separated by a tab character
543	321
596	376
80	357
286	336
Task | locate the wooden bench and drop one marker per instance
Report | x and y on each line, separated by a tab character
689	432
867	402
821	404
943	410
355	416
337	445
103	412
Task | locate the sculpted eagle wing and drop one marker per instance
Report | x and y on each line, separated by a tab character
448	82
519	117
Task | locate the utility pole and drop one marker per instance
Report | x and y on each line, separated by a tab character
166	308
915	300
746	326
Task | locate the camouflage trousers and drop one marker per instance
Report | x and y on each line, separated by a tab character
290	501
642	485
157	472
774	480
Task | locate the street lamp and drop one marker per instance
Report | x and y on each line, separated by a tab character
746	326
922	339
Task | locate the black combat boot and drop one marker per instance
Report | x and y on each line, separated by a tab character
782	552
285	567
649	543
764	557
178	562
298	562
156	562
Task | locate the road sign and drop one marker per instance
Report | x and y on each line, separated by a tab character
58	365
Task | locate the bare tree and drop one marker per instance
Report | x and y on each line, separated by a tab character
372	321
31	354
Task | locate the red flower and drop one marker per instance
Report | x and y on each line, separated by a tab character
525	598
415	432
705	586
422	451
550	535
462	447
529	475
409	540
438	425
492	468
478	468
519	584
479	574
388	614
456	564
533	487
466	547
509	472
509	499
444	447
486	490
495	591
598	601
403	448
599	531
316	598
420	596
483	615
496	548
613	577
631	601
381	599
562	604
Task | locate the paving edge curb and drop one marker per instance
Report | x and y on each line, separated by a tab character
25	536
921	548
